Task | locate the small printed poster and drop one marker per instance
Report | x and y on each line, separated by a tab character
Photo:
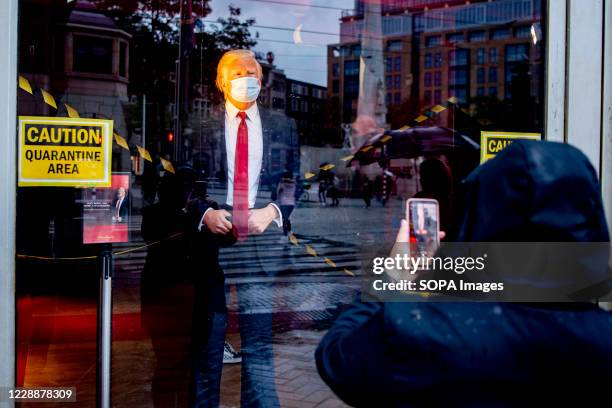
106	212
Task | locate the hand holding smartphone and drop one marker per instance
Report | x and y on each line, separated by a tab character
423	216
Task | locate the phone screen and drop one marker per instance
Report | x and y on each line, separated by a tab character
423	220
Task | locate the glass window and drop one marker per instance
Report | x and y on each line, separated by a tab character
433	40
492	74
438	60
388	64
454	38
517	52
480	75
92	54
437	78
135	63
493	55
351	67
395	45
523	32
397	63
351	85
459	93
437	96
397	81
500	34
477	36
458	57
342	51
458	76
481	56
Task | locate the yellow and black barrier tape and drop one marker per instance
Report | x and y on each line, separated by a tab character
312	252
71	112
426	114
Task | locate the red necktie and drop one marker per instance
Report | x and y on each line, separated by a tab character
241	180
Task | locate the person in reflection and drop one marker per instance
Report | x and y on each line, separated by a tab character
167	291
366	191
436	182
490	354
286	192
214	226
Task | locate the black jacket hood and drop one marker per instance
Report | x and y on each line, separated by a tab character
534	191
537	209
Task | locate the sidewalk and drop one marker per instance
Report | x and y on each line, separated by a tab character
298	384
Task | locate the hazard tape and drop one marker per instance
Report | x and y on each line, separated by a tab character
71	112
425	115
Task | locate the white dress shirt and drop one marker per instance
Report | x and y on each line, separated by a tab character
118	206
232	122
253	121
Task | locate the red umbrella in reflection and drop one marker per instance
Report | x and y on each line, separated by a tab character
414	142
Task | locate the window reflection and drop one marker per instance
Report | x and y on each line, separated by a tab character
436	68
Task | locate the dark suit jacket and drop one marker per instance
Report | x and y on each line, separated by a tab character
222	167
123	209
204	245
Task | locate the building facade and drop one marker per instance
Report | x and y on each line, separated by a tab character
305	104
436	50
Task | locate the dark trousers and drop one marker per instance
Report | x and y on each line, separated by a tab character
209	327
258	389
210	324
322	195
286	211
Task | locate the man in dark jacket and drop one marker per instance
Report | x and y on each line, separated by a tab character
488	354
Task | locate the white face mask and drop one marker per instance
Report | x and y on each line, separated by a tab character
245	89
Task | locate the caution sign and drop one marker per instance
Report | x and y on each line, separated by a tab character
64	152
492	143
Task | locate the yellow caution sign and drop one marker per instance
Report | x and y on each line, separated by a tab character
66	152
492	143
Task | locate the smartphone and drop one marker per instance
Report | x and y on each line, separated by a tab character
423	215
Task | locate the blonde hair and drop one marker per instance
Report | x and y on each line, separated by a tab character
228	58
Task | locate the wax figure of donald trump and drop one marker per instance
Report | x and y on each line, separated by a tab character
230	222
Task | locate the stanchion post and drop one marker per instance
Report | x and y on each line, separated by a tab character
105	311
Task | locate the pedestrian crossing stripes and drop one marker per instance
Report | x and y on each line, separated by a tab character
267	257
